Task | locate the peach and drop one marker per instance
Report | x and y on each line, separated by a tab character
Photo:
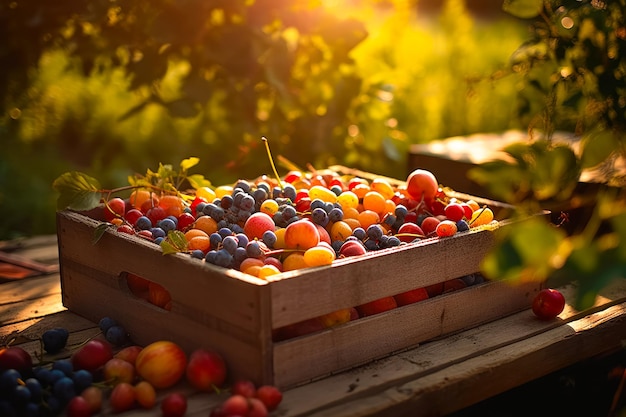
301	234
161	363
257	224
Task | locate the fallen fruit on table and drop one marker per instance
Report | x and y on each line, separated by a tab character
548	303
162	363
93	355
14	357
206	370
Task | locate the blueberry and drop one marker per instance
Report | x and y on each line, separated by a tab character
82	379
63	365
116	335
105	323
54	340
64	389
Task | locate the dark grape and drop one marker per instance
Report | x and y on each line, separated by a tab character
167	224
143	223
319	216
335	215
230	243
197	254
359	233
223	258
105	323
269	238
116	335
462	225
64	389
63	365
54	340
82	379
253	249
375	231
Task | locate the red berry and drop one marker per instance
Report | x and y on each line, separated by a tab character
174	405
269	395
548	304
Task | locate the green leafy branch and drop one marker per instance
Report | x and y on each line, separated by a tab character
81	192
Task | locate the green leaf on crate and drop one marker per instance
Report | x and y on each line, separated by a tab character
174	243
99	232
524	9
77	191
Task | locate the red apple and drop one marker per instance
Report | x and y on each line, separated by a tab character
14	357
377	306
422	185
93	355
411	296
161	363
206	370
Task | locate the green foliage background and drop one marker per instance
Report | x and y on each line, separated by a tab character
111	88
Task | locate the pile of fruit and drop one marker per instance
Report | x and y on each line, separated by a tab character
265	227
268	226
104	377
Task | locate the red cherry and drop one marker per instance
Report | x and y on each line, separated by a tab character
548	303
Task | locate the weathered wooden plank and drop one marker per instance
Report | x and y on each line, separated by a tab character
30	288
29	309
414	364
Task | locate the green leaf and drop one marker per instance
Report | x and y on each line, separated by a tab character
77	191
185	164
524	251
524	9
168	248
598	145
174	243
99	232
197	181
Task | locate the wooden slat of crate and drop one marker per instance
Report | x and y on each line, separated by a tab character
373	337
352	282
208	309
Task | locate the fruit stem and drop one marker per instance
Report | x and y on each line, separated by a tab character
269	155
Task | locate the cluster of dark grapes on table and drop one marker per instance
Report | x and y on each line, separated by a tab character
46	389
41	391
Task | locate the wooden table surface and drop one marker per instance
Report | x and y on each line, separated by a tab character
435	378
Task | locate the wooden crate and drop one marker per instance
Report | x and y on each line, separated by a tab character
236	313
